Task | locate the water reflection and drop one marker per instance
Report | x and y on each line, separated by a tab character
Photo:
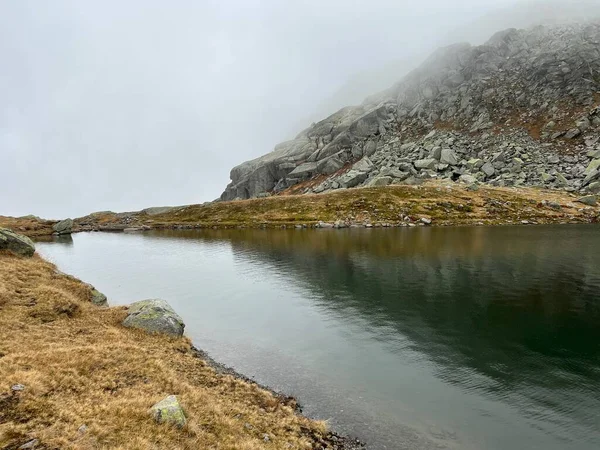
513	313
65	239
470	338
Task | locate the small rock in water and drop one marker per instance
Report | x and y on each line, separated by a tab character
63	227
426	221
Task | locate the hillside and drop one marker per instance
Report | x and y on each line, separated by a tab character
520	110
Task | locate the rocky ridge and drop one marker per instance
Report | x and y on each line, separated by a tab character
521	110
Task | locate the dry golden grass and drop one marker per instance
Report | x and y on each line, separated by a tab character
29	225
445	203
80	367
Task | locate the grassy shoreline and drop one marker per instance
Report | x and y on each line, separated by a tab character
433	203
80	366
89	382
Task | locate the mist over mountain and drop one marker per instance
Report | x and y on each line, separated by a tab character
522	14
523	109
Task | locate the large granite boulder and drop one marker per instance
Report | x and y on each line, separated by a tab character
16	243
169	411
63	227
154	316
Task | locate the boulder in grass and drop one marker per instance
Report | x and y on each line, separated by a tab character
16	243
590	200
169	411
154	316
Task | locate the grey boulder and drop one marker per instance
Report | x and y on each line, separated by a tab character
590	200
379	181
364	165
63	227
425	163
468	179
154	316
329	165
352	178
16	243
488	169
448	157
169	411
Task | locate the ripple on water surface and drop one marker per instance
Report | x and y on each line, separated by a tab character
458	338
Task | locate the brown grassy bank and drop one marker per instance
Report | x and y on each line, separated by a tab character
29	225
445	204
80	367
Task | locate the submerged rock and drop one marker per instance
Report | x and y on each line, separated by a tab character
169	411
16	243
63	227
154	316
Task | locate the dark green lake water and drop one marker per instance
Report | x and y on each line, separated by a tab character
428	338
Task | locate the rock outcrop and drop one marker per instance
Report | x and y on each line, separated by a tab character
63	227
523	109
154	316
16	243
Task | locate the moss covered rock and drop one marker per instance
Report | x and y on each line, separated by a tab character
154	316
169	411
16	243
98	298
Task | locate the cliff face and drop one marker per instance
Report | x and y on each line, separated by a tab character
521	109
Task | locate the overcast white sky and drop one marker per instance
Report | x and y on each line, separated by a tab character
120	105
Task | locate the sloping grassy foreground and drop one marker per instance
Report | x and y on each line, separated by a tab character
79	366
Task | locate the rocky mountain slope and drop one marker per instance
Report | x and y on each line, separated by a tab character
521	110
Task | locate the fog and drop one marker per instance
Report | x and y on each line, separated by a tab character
112	105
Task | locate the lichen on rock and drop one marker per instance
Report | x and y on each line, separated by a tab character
16	243
154	316
169	411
